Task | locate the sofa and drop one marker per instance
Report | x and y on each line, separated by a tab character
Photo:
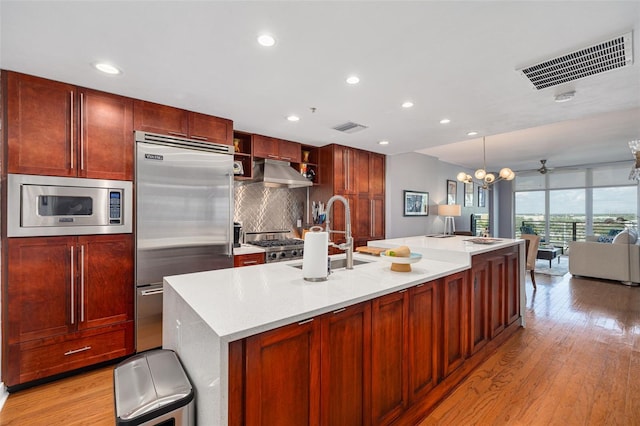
618	260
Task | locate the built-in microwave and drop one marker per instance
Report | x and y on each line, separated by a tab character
49	205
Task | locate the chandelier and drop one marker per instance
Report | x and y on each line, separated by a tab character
484	178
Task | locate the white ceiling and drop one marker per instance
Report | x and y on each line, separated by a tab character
452	59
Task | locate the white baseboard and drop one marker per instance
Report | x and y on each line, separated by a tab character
3	395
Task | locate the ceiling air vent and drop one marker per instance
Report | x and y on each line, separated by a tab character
605	56
349	127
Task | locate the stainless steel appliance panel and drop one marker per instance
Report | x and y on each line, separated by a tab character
184	219
49	205
184	212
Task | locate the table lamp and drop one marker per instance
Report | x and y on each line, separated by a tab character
449	211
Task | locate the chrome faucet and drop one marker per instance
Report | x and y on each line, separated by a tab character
347	246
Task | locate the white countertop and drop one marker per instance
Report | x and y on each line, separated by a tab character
247	249
239	302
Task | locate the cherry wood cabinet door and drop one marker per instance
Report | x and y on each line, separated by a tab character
41	125
163	119
512	286
497	274
361	217
210	129
343	169
377	218
283	376
423	339
106	136
290	151
479	305
376	174
362	171
105	281
264	147
389	349
454	320
41	288
248	259
346	365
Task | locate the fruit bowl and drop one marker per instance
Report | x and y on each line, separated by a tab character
401	264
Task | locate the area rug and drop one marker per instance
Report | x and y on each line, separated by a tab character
557	269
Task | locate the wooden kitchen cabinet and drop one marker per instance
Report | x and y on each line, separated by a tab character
479	305
283	376
424	344
359	176
167	120
240	260
512	287
454	320
63	296
276	149
497	277
389	350
58	129
346	366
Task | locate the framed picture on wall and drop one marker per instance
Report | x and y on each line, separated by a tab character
452	192
468	194
482	194
416	203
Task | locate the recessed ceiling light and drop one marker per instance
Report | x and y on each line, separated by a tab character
383	143
266	40
353	80
472	133
566	96
293	118
107	68
407	104
445	121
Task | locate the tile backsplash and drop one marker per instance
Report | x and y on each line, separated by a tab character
260	208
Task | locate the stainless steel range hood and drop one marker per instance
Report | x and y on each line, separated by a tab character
278	174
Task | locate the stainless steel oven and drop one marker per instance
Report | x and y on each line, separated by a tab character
49	205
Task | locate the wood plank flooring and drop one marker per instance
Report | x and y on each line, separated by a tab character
576	363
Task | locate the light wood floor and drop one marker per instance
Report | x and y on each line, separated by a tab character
576	363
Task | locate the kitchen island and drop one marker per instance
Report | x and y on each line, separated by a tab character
234	328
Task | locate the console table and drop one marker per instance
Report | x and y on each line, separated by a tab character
549	253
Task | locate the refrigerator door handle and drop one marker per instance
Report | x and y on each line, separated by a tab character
231	210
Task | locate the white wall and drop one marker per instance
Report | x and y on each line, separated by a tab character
418	172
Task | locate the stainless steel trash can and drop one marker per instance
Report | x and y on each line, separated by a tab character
152	389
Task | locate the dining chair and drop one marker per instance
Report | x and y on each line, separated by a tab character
531	251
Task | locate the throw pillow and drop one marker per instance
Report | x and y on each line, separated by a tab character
605	239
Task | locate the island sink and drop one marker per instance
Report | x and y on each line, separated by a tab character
338	263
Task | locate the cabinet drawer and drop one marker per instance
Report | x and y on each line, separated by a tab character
248	259
43	358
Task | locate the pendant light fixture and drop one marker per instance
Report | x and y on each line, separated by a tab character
482	176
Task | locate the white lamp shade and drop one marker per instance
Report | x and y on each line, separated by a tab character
449	210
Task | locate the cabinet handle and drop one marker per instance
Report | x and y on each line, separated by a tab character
151	292
71	121
339	310
249	262
286	158
200	138
402	291
73	319
75	351
184	135
420	285
82	283
346	170
305	321
272	156
81	131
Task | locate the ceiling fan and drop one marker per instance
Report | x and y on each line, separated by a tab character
544	169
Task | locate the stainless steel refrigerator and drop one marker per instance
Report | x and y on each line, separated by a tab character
184	219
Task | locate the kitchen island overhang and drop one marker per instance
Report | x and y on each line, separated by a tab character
204	312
